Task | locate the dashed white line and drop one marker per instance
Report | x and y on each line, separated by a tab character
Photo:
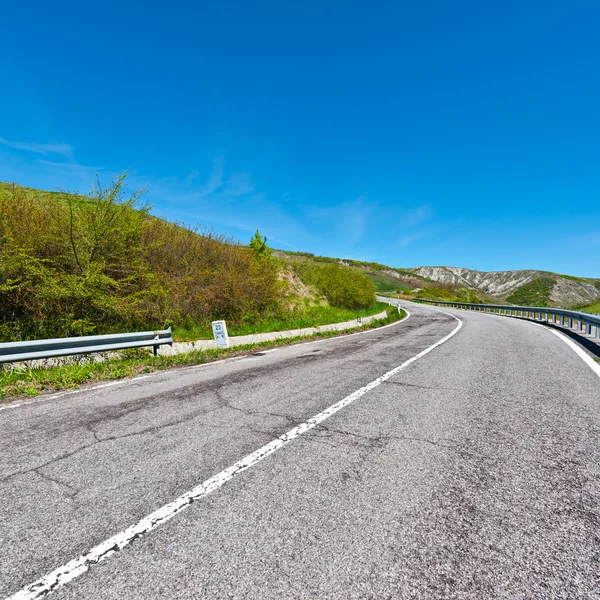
78	566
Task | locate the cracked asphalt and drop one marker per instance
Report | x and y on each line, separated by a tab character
472	473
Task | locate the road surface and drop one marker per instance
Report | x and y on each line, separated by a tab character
470	472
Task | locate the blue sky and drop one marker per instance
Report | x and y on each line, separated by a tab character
408	133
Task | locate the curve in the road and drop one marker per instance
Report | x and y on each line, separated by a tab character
474	473
76	567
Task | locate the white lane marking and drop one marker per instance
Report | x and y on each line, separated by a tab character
78	566
587	359
208	364
347	335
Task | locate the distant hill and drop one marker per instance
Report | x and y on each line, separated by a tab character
524	287
80	265
527	287
385	278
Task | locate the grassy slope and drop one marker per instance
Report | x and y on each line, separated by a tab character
451	294
315	316
30	382
386	279
534	293
593	308
304	308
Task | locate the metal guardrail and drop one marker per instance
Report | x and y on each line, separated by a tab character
586	321
19	351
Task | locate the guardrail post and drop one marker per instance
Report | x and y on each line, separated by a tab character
588	328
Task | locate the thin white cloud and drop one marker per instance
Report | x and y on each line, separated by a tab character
239	184
44	149
226	200
409	238
215	179
415	215
347	221
192	176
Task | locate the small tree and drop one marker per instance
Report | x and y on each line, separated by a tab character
259	246
104	229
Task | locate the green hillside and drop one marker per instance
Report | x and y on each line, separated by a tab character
101	263
385	279
535	293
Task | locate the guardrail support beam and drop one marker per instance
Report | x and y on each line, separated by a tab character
55	348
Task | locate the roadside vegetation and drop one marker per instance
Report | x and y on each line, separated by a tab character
84	265
340	286
387	280
534	293
593	309
24	381
448	293
313	316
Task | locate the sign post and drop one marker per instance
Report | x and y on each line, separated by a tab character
220	332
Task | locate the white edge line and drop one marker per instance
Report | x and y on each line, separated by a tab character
140	377
587	359
69	392
78	566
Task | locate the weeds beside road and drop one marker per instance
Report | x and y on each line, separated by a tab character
315	316
30	382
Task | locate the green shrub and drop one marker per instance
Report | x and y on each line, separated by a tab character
341	286
74	265
535	293
448	294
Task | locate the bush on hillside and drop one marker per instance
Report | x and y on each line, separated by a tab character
341	286
448	293
534	293
75	265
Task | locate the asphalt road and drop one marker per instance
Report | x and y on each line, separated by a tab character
473	472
